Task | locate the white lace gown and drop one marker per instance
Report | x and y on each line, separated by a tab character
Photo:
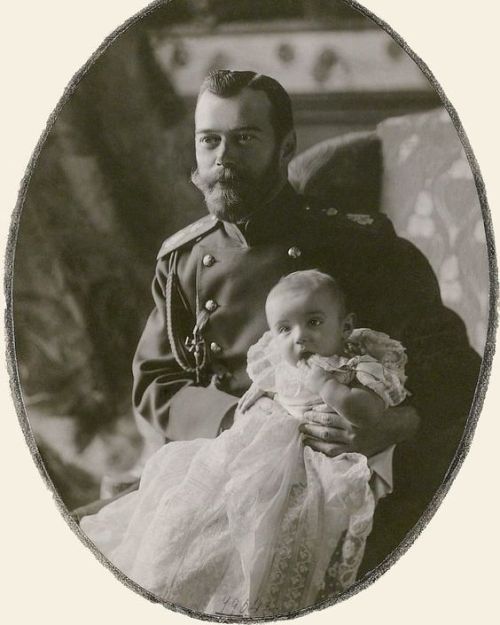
252	522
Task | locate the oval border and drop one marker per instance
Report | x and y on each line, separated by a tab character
479	395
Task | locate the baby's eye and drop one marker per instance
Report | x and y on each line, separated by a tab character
314	323
284	329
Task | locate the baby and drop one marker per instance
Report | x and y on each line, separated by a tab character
253	522
356	373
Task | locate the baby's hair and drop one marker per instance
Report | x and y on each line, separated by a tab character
310	280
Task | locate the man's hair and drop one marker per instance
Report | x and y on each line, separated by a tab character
310	280
227	83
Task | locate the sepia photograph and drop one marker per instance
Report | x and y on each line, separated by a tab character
251	303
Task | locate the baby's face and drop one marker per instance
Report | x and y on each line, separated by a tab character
305	323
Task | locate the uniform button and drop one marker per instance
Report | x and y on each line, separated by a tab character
294	252
208	260
215	348
211	305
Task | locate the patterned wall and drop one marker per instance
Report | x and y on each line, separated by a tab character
303	61
430	195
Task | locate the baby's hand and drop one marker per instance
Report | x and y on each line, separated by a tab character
316	376
250	397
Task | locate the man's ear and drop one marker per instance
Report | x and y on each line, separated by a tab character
288	148
348	325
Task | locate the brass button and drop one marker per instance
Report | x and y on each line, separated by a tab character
208	260
294	252
211	305
215	348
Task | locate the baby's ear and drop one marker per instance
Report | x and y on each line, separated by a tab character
348	325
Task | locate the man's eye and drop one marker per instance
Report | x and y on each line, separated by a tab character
244	137
209	140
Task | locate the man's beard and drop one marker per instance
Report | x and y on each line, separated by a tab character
233	196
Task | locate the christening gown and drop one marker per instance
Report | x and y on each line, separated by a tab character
253	523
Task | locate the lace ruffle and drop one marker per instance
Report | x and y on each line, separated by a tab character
380	346
370	373
262	360
374	360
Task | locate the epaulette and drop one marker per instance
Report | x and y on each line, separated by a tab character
371	223
186	235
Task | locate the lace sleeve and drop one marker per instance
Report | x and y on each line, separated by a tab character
389	352
262	360
377	361
379	378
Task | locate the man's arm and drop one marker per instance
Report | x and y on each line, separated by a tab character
332	434
402	298
163	393
442	369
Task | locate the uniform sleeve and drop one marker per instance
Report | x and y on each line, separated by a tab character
442	367
442	370
164	394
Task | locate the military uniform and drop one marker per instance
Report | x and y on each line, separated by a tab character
210	287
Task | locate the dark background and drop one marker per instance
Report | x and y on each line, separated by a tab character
110	183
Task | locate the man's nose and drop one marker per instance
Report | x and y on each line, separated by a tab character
225	153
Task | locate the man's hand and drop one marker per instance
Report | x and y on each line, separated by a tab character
332	434
326	431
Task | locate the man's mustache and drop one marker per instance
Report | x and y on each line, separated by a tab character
227	176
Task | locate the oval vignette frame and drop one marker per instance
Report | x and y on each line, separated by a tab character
485	367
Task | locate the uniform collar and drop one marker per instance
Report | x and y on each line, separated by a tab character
274	221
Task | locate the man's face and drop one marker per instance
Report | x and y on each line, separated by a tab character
236	152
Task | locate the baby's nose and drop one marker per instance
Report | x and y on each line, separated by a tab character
300	337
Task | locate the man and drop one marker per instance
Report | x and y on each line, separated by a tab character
212	279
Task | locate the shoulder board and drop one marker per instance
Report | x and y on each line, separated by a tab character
371	223
186	235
